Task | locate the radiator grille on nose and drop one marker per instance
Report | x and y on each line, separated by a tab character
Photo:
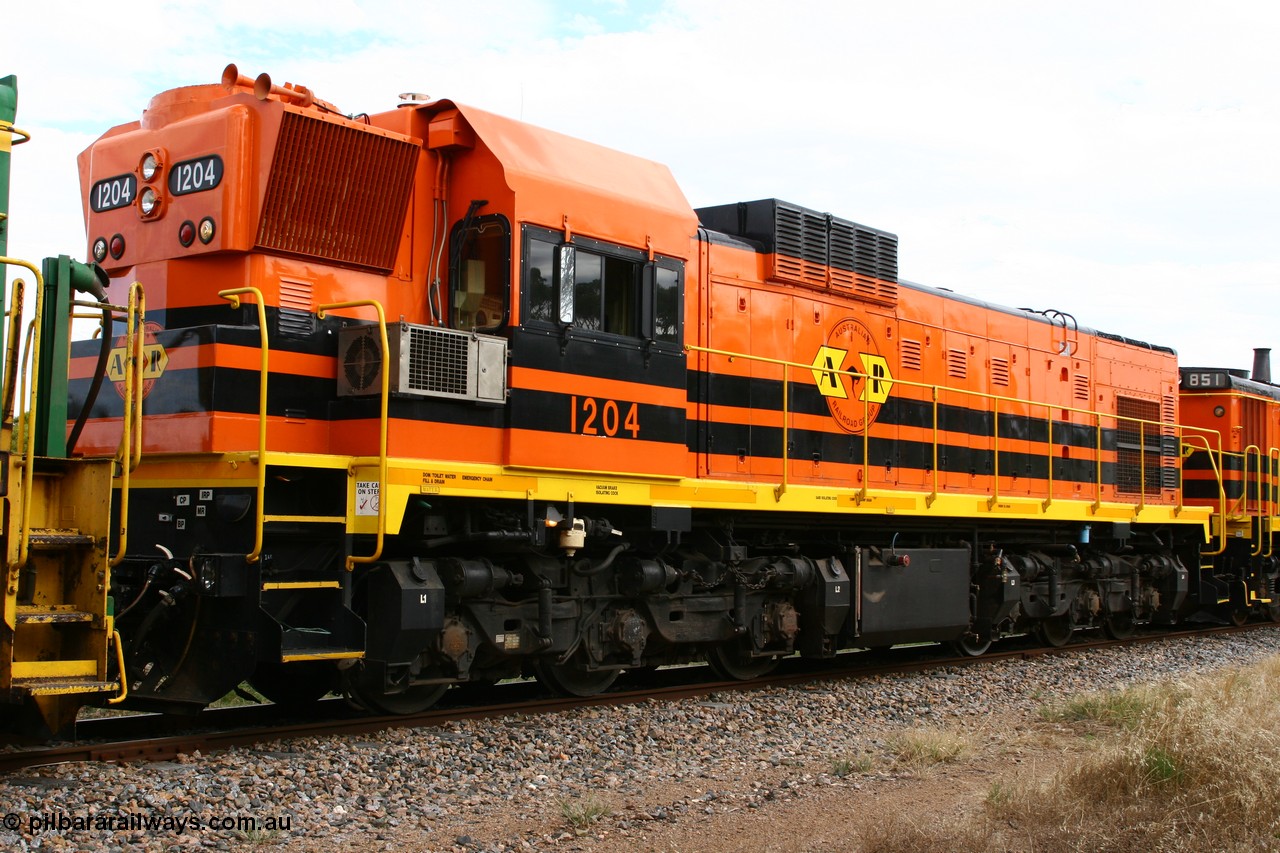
337	193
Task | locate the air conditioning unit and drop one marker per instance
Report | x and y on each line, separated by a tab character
424	361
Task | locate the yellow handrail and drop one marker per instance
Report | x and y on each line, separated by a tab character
1222	491
933	496
352	560
1142	461
866	449
1273	460
138	365
1048	461
24	448
1097	457
996	400
32	351
124	679
781	488
12	347
9	127
1255	531
129	454
995	453
233	296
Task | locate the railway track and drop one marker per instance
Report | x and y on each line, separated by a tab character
134	737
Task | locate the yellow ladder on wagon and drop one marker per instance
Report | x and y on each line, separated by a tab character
56	630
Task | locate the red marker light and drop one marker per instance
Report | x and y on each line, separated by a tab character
117	246
187	233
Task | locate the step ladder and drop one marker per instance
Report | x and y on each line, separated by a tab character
308	609
58	629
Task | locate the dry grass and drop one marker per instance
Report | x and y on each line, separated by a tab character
920	749
1193	769
842	766
1119	707
580	814
1190	767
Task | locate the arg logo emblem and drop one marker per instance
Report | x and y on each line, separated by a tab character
854	401
154	360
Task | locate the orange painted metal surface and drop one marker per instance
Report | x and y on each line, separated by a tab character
839	379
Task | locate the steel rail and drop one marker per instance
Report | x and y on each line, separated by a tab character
799	671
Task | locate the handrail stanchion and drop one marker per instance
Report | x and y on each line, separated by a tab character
1255	530
233	296
12	347
131	411
1273	464
32	352
781	489
1097	485
995	454
1048	499
1222	492
352	560
933	496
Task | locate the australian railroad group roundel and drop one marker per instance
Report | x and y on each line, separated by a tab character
154	360
854	400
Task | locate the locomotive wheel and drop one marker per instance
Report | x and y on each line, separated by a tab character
1238	616
412	700
1055	631
1119	626
732	661
971	645
565	679
294	685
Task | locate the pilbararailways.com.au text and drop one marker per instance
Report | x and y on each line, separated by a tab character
36	823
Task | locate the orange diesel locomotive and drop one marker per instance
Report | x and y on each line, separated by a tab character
432	396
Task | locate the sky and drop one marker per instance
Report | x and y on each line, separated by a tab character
1118	161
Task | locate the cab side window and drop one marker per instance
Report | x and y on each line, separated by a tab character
599	289
666	305
540	280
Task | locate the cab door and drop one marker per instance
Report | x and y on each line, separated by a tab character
597	366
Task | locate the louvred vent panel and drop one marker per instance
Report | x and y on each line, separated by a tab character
814	249
337	193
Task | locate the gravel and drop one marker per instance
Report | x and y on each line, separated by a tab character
539	783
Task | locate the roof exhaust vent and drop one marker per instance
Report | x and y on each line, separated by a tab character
1262	364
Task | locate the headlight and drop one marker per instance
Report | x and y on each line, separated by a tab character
148	201
150	165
